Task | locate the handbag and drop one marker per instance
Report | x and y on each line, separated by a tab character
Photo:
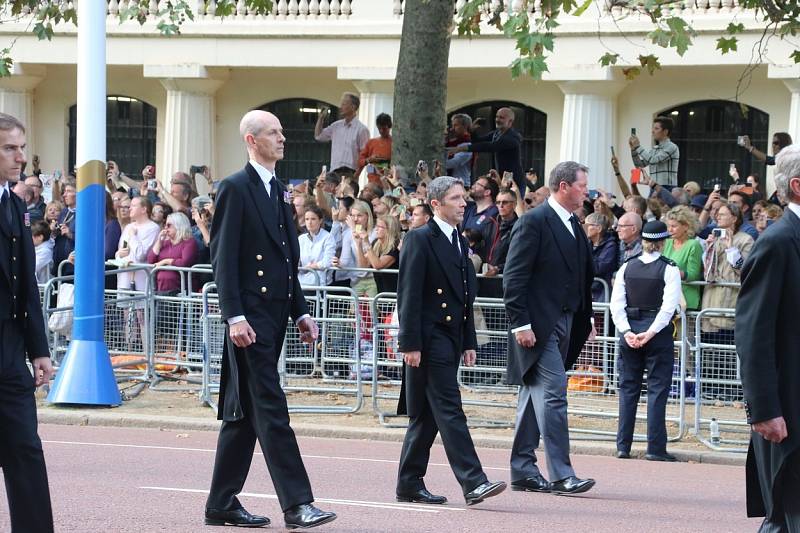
61	321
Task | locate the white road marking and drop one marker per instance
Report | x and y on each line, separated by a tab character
355	503
206	450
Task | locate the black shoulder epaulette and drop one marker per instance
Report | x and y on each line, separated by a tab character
668	261
633	257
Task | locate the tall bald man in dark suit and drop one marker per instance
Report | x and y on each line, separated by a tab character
768	345
255	252
22	338
547	285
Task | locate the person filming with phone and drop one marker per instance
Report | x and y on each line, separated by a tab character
662	159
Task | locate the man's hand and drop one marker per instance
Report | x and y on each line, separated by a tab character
631	340
633	142
644	337
242	334
525	338
592	334
491	271
469	357
412	358
309	331
43	371
774	430
615	163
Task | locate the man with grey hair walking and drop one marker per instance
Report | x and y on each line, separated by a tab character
436	289
547	284
769	351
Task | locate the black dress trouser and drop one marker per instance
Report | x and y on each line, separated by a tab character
21	452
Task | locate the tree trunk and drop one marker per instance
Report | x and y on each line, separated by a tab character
420	87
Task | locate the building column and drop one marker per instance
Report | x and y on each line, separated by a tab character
588	128
190	121
376	88
794	109
16	97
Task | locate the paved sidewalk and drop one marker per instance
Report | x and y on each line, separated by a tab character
183	411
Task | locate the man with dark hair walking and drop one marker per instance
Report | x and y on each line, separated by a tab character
22	338
547	287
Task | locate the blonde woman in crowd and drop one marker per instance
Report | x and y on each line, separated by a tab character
685	251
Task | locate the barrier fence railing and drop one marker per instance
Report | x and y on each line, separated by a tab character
170	337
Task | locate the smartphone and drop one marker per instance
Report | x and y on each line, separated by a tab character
636	175
613	154
422	166
359	228
593	194
740	140
398	192
633	132
414	202
124	244
719	233
508	177
152	185
716	187
324	169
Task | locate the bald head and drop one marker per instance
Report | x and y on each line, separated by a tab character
263	135
504	118
629	227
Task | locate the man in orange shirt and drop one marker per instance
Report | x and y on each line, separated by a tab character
377	154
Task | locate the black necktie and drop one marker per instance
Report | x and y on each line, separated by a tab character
5	206
273	191
454	242
576	226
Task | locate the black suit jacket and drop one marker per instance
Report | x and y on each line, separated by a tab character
28	308
507	150
539	272
768	344
255	272
432	299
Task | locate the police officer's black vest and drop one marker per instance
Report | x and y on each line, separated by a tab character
644	284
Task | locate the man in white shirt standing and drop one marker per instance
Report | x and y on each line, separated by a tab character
348	135
646	294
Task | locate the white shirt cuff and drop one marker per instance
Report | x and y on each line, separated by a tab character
234	319
521	328
303	317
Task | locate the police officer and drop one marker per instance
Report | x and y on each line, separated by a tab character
646	294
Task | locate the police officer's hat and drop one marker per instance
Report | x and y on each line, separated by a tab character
654	231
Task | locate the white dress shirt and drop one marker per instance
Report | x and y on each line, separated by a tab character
795	208
447	229
669	304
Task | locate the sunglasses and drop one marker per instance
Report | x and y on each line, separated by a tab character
529	201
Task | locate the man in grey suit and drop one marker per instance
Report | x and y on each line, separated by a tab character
547	290
769	349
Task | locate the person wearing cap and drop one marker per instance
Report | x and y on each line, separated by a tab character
646	293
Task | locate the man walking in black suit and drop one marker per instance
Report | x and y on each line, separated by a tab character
547	290
21	334
436	288
769	350
254	252
506	144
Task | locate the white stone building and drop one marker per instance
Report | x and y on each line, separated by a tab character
177	101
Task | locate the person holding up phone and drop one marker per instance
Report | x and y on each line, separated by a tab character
662	159
348	136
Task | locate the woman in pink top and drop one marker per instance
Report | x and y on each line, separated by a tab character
176	247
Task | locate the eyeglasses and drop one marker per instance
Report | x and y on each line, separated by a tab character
478	184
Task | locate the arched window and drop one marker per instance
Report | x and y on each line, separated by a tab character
706	132
530	122
303	156
130	133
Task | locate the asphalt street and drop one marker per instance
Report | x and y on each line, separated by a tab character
148	480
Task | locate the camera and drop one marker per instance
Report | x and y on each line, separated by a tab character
196	169
719	233
152	185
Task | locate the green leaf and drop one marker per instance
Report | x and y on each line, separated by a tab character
608	59
5	63
631	73
733	29
578	12
725	45
660	37
795	56
649	62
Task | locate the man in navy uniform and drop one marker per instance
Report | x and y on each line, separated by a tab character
22	336
436	289
646	294
254	252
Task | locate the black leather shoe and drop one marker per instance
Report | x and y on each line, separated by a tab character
421	496
485	490
622	454
235	517
536	483
665	457
306	516
572	485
